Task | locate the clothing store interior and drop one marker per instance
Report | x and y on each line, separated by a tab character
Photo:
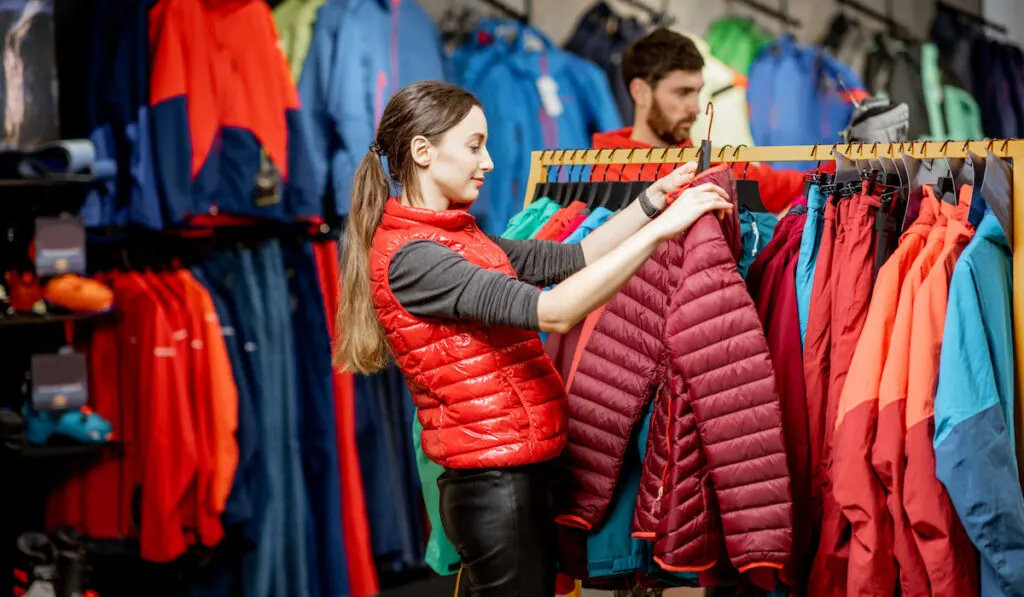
177	177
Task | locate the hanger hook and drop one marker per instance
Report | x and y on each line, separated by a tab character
814	150
874	149
967	145
710	110
944	145
604	177
736	153
1006	145
721	150
661	160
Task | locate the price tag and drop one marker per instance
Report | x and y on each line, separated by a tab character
60	246
59	381
268	182
548	90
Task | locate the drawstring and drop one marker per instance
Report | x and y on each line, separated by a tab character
757	237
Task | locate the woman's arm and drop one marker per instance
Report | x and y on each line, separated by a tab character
562	307
431	280
542	262
632	218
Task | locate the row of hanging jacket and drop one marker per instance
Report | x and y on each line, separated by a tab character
623	521
348	59
189	151
236	436
535	96
895	281
602	35
959	84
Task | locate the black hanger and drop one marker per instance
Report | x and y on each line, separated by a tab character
523	17
847	179
594	190
704	153
544	188
748	192
781	15
576	186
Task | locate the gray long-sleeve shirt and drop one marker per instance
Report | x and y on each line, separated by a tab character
431	280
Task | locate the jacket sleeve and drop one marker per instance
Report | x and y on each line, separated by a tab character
974	448
168	97
312	127
717	344
616	376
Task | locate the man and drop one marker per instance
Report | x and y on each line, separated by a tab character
662	71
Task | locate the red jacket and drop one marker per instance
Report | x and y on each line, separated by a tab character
779	188
486	396
684	332
772	282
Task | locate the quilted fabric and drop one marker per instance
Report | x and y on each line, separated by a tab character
685	333
487	396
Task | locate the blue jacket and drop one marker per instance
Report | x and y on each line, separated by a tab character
799	95
974	405
117	117
502	64
813	228
362	52
756	230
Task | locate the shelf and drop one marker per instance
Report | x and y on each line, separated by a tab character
65	450
54	455
49	181
24	319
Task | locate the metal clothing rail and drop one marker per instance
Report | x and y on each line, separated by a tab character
1004	148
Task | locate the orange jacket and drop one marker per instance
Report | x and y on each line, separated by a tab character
872	565
947	552
888	453
779	188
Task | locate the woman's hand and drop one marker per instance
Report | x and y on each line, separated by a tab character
659	190
689	207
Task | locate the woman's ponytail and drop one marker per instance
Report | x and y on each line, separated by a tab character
361	346
428	109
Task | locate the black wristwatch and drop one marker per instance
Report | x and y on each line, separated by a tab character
645	204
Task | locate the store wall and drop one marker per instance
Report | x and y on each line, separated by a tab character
557	17
1009	13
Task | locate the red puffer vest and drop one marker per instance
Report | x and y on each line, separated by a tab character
684	332
486	396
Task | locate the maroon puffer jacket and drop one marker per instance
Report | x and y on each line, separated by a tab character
685	333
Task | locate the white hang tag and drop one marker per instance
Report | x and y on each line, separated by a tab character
548	90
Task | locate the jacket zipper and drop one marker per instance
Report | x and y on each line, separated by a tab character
668	445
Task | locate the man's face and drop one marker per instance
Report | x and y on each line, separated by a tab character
674	106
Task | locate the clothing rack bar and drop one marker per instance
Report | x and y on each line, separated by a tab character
893	27
1003	148
975	19
654	14
782	16
523	17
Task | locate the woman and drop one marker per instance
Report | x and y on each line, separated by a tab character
459	311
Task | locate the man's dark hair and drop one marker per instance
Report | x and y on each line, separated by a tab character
655	55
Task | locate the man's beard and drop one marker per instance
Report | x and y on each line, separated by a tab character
670	133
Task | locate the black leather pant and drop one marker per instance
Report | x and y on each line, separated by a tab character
501	522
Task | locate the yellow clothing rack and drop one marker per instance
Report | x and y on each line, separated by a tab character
1004	148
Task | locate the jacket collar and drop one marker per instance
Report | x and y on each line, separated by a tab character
621	139
398	215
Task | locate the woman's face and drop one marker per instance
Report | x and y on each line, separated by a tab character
460	159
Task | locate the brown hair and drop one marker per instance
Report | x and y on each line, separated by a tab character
429	109
655	55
